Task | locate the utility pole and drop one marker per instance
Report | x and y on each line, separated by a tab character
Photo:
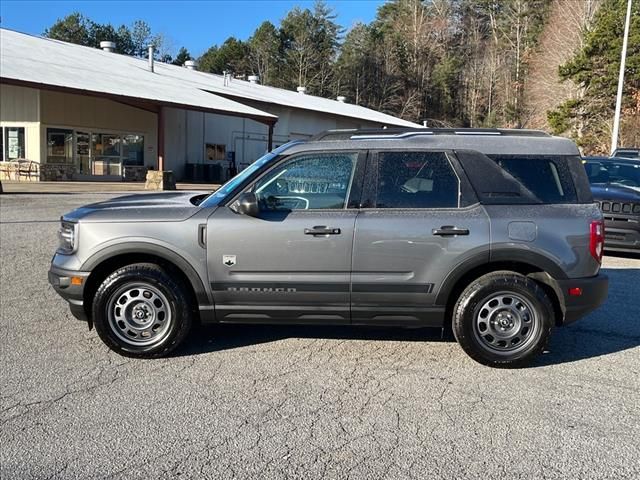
616	118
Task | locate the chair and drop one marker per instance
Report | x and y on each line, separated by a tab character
28	169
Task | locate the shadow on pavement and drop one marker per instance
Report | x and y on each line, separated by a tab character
612	328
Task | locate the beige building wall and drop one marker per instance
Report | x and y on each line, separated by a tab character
20	107
66	110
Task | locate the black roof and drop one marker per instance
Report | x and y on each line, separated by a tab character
398	132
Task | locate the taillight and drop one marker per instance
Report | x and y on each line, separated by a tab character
596	241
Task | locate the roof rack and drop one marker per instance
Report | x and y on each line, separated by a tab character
400	133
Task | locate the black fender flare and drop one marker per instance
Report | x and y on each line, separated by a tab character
502	255
202	295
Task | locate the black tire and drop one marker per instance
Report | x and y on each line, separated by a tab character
165	327
484	332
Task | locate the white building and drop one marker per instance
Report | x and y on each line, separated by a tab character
86	113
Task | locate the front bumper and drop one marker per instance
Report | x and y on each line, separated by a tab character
69	284
622	232
594	293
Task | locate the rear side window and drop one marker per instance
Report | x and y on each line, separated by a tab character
416	180
548	179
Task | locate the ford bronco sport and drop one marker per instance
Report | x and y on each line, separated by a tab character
491	232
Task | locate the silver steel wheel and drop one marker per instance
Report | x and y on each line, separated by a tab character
139	314
506	323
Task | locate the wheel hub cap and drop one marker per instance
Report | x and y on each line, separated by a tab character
505	323
139	314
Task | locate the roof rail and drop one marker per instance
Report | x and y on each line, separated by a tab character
399	133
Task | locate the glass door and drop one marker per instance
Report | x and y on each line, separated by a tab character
107	158
83	153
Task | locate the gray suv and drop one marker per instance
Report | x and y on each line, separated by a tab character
493	233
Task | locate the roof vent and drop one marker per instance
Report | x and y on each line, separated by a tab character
191	64
108	46
151	58
302	90
253	79
341	99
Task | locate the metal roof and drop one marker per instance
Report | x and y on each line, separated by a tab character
43	61
241	89
36	61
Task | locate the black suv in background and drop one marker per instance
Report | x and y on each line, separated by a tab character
615	184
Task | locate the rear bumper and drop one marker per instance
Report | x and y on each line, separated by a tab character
594	293
61	281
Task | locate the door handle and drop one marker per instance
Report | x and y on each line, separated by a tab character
321	230
449	230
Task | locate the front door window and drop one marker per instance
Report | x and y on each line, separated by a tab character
311	182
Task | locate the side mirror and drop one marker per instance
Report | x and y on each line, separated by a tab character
246	204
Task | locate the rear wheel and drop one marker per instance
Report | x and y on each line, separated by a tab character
503	319
140	311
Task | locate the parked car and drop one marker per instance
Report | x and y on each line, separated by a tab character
615	183
633	153
493	233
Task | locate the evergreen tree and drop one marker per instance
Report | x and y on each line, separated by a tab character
594	69
182	56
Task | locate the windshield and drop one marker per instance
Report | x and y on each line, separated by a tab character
625	174
631	153
216	197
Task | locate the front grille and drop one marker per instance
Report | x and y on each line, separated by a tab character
619	207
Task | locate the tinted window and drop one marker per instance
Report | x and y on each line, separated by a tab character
627	153
309	182
620	173
548	179
416	180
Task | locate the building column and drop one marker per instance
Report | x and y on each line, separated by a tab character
161	139
270	141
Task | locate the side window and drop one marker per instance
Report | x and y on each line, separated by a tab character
549	179
416	180
308	182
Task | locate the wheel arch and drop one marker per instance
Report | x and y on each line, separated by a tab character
111	258
544	272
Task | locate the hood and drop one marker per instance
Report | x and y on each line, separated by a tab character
143	207
608	191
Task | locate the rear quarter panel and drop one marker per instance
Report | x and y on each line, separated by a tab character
560	233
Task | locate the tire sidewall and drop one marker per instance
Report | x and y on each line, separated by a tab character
477	294
158	278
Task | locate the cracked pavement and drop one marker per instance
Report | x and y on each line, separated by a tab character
302	402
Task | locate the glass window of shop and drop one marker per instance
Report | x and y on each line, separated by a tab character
59	145
12	145
95	153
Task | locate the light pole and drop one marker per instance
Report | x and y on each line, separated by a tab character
616	118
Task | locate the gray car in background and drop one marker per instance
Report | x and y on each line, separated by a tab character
493	233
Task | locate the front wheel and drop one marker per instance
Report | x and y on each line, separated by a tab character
503	319
140	311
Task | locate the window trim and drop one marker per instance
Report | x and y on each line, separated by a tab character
353	194
371	183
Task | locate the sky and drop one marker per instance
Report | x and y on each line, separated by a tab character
194	24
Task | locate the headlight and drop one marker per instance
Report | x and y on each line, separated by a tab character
68	237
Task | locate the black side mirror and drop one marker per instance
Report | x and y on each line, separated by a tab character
246	204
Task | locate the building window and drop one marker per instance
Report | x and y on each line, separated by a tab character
133	150
59	145
94	153
216	151
13	147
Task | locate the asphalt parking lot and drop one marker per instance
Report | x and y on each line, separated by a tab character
303	402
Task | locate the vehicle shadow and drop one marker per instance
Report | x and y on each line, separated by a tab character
612	328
